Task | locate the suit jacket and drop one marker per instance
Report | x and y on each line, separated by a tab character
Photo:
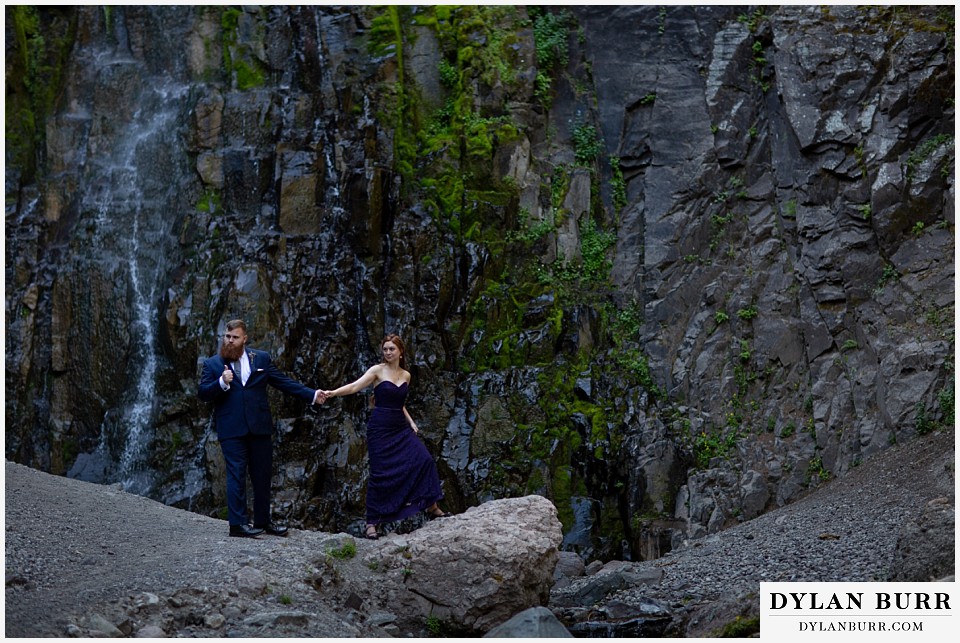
243	408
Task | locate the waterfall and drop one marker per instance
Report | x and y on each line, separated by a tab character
139	413
131	194
156	194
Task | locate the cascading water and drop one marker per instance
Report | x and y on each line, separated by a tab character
133	187
139	413
155	134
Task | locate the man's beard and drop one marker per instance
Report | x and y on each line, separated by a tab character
231	352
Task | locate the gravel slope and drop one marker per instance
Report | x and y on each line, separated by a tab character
75	548
845	531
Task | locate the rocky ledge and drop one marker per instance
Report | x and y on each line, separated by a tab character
91	560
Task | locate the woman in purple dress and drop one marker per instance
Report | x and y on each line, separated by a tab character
403	476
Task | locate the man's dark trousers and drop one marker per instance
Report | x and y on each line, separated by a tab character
255	452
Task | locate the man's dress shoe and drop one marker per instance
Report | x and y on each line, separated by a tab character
245	531
273	529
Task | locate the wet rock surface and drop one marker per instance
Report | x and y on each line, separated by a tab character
777	297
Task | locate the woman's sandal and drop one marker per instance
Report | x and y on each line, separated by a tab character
433	515
371	533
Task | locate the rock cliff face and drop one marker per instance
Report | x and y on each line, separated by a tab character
668	267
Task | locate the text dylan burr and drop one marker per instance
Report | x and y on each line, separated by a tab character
855	601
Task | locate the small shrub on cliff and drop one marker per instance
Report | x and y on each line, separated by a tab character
528	233
889	273
788	430
926	149
627	322
849	345
708	446
924	424
752	21
449	76
550	33
434	625
542	92
748	313
593	248
618	185
790	209
816	469
587	144
947	401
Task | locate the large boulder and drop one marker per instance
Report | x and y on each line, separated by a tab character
474	570
535	623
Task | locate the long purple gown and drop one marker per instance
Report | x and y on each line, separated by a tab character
403	476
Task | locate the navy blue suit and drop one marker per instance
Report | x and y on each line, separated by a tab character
245	429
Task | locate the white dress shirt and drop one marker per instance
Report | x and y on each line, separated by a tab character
243	372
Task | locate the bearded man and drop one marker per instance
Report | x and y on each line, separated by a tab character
236	382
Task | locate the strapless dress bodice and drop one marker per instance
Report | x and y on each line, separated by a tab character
388	395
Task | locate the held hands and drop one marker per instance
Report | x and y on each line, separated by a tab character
322	396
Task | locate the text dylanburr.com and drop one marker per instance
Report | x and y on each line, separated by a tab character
858	611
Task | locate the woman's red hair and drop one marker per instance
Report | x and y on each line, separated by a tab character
392	337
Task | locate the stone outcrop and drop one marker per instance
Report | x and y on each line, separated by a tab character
475	570
464	574
536	623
